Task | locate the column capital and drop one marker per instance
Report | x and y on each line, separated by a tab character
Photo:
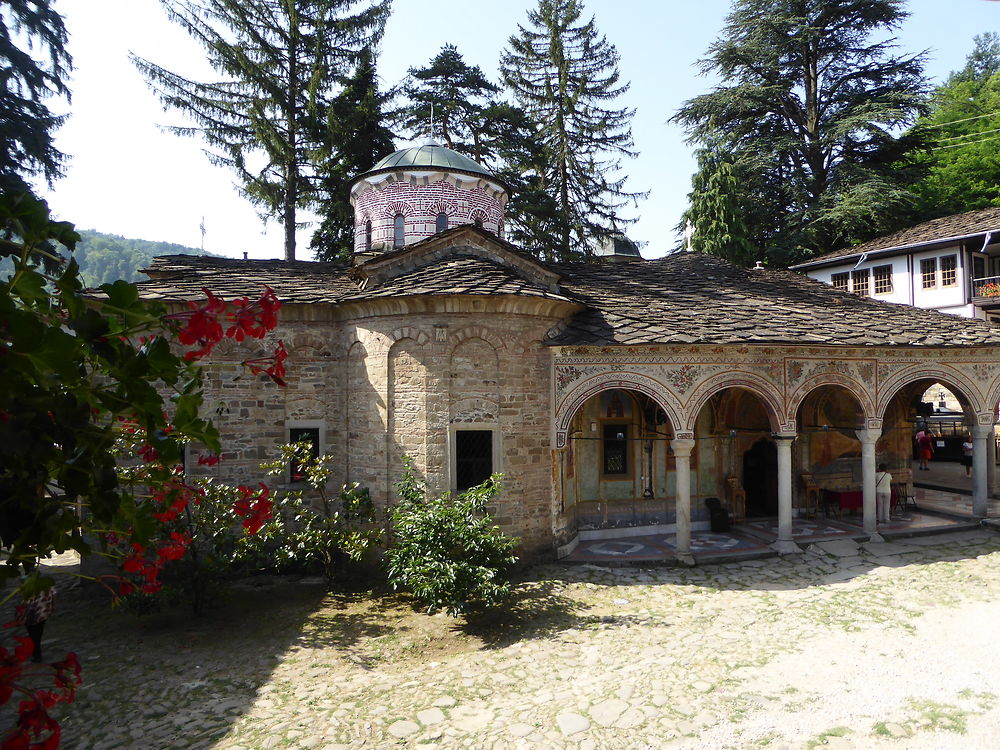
780	437
981	430
868	437
682	447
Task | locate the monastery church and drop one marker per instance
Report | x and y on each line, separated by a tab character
614	396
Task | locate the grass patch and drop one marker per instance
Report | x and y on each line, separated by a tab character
824	736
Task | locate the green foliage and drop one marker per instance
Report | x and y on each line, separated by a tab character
811	96
564	75
446	550
963	166
36	65
302	535
454	96
718	210
69	367
354	140
279	64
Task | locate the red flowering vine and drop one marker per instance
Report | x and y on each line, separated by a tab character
273	366
203	323
35	728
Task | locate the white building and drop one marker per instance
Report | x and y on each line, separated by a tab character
951	264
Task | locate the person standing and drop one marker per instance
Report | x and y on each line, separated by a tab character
967	447
926	446
883	493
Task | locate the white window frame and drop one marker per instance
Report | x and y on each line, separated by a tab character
497	467
875	279
305	424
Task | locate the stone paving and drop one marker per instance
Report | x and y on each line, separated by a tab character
887	645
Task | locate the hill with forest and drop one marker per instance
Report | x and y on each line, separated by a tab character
105	258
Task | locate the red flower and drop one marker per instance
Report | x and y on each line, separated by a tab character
275	364
254	507
208	460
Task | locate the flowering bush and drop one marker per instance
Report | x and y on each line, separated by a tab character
73	367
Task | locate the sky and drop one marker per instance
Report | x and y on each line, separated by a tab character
129	177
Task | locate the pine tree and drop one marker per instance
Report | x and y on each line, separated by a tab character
280	63
35	66
355	140
565	76
454	96
810	99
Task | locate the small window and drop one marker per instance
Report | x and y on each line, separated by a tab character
616	449
949	270
479	222
928	273
398	230
473	458
859	282
298	435
839	281
442	222
368	236
883	279
500	229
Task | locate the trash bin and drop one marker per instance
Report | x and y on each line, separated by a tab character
718	516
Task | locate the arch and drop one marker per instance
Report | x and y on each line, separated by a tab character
852	386
306	345
748	381
478	217
398	230
954	379
583	390
408	332
477	332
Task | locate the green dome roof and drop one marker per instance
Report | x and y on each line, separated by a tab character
431	156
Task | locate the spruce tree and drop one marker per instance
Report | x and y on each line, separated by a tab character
355	139
452	95
811	97
35	66
565	76
279	64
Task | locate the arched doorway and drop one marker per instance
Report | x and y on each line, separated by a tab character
734	427
616	468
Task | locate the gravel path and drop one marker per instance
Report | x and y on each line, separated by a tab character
884	646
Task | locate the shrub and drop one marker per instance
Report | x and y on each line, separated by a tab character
446	550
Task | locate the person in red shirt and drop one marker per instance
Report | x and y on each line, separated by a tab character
926	447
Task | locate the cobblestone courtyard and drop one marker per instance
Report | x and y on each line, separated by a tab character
884	646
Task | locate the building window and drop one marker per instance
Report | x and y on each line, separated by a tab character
500	229
839	281
398	230
615	449
442	222
473	458
479	222
859	282
299	435
883	279
949	270
368	236
928	273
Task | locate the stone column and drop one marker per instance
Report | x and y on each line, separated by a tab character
981	434
785	544
682	448
868	439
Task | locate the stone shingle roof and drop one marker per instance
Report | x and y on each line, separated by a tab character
690	298
957	227
685	298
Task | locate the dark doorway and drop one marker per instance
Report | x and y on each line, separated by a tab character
760	478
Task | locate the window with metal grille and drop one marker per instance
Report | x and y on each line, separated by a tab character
398	230
473	457
298	435
883	279
616	449
928	273
859	282
949	270
839	281
442	222
368	236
